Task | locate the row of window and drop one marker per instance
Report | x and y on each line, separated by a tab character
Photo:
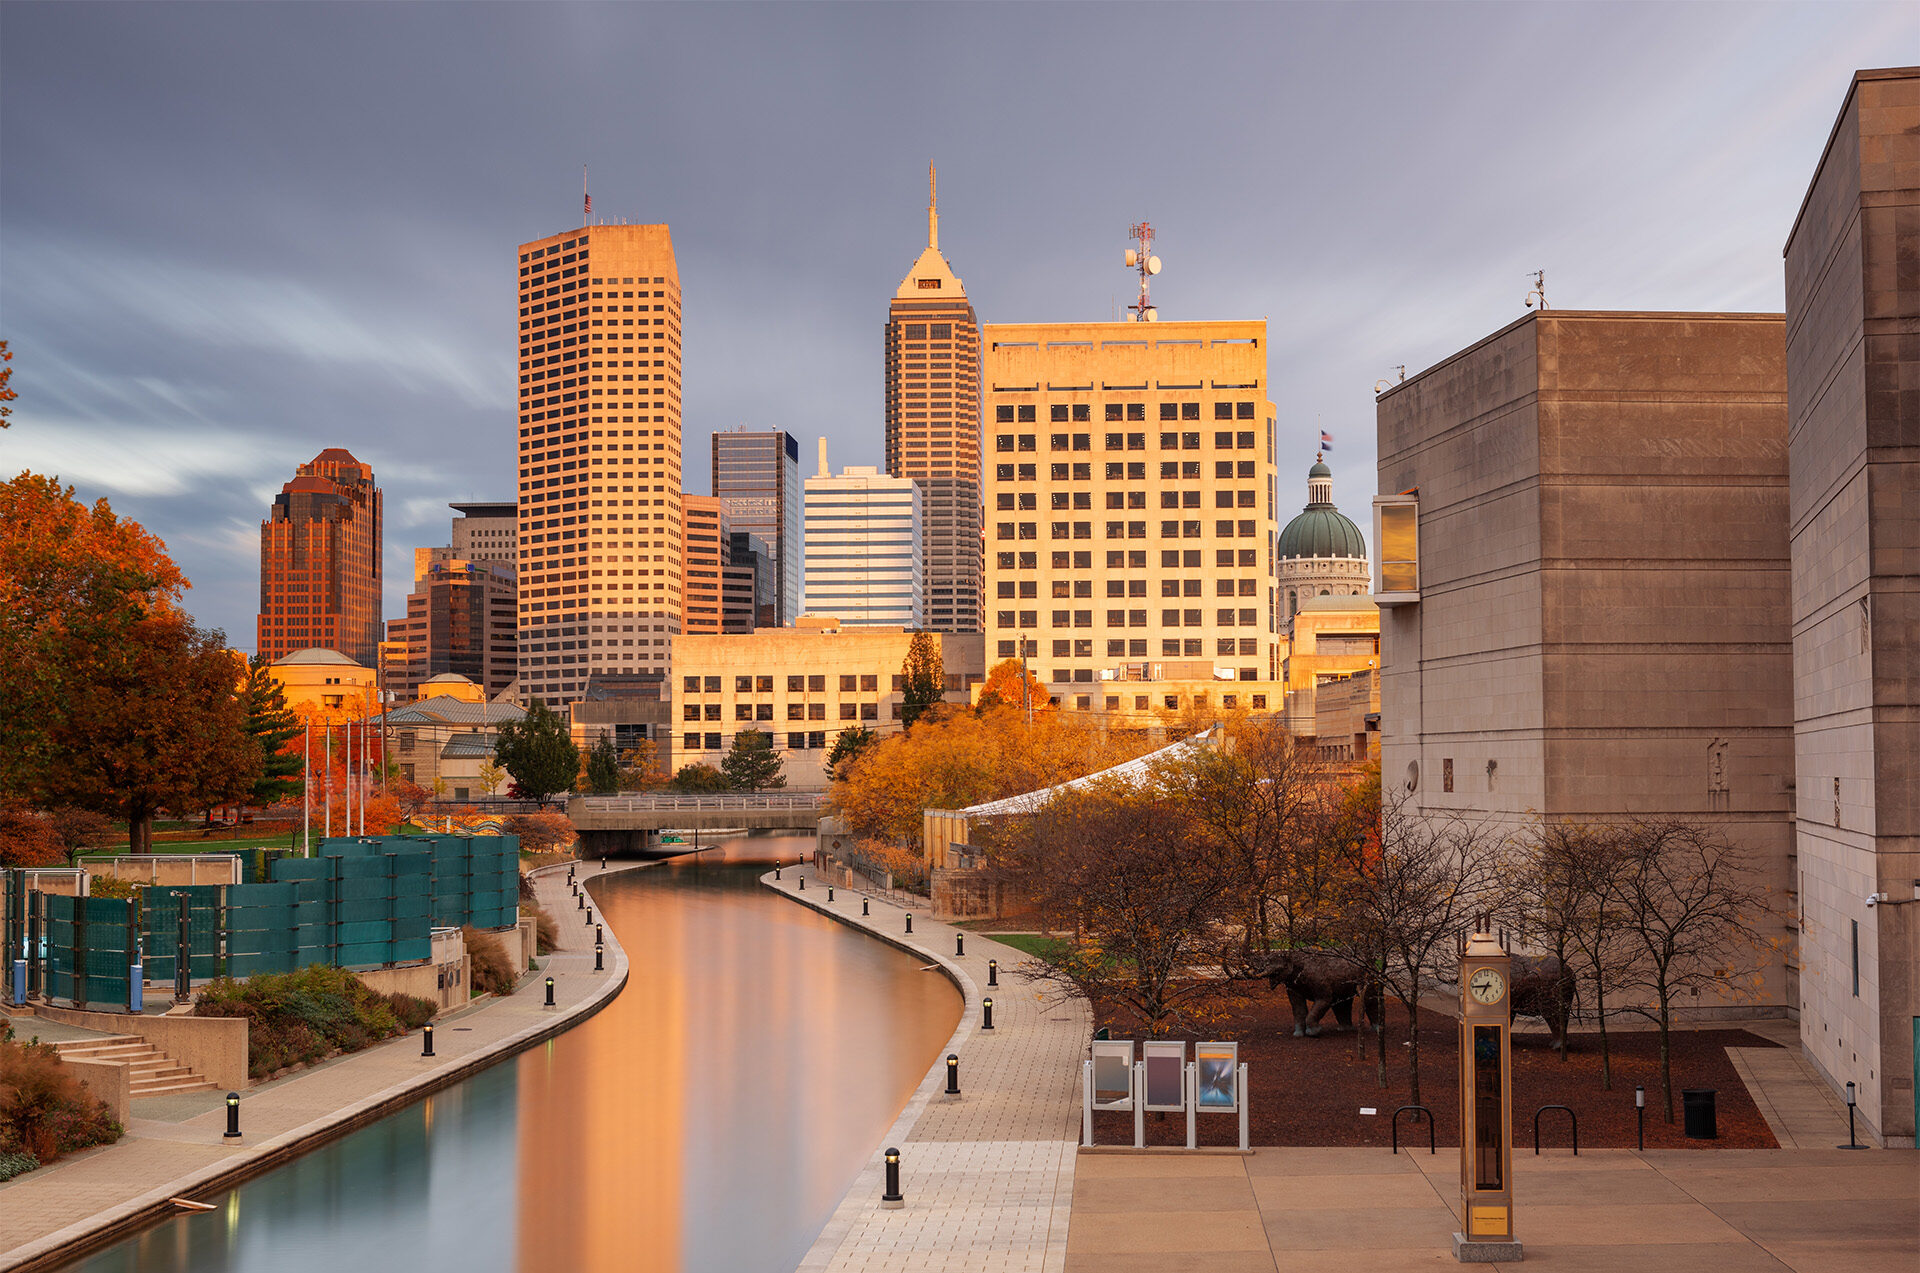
1222	441
795	711
1170	470
1010	589
1245	617
813	740
1223	529
1130	559
1136	648
1068	413
1027	501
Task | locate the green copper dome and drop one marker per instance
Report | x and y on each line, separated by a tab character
1321	530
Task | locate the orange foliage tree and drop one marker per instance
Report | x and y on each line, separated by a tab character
1002	689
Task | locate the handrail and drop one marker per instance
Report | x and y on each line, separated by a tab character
637	804
1396	1126
1572	1118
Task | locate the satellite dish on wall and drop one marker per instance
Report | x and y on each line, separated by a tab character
1413	775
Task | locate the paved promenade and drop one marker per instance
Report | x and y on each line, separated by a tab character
174	1146
988	1177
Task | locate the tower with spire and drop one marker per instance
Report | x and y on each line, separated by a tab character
933	425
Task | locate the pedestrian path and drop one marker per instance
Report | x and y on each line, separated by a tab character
175	1147
987	1176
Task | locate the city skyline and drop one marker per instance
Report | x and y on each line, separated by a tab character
268	296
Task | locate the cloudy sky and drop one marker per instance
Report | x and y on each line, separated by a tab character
231	235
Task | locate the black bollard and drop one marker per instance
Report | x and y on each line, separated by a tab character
776	871
426	1039
986	1014
960	944
829	892
953	1075
1640	1116
233	1116
549	992
863	907
569	875
993	972
893	1199
597	966
589	914
599	933
909	921
1852	1143
579	900
803	884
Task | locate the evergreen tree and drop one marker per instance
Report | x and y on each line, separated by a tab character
538	753
751	764
603	767
847	747
698	777
271	724
922	678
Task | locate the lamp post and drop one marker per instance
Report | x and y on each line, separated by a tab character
1640	1117
893	1199
1852	1141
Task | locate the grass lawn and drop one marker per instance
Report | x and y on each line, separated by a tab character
162	848
1049	949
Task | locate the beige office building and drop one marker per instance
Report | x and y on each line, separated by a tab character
599	528
1131	508
933	428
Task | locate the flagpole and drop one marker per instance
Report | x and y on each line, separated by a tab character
306	792
327	763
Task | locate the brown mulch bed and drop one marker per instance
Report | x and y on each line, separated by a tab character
1310	1091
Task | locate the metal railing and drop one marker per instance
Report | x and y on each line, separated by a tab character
807	802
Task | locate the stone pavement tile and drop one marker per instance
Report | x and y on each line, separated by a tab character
1586	1224
1802	1182
1698	1257
1838	1220
1367	1228
1166	1262
1315	1193
1157	1166
1361	1260
1841	1256
1156	1193
1332	1161
1184	1232
1593	1188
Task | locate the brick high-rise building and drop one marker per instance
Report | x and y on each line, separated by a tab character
933	427
320	562
599	532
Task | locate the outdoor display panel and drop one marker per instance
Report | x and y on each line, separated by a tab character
1166	1076
1216	1076
1113	1074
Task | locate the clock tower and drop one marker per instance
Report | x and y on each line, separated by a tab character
1486	1105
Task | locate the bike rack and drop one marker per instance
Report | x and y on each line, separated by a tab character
1424	1110
1573	1120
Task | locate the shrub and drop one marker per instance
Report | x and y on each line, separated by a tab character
12	1165
411	1010
540	832
296	1018
489	969
546	932
44	1110
83	828
28	838
109	886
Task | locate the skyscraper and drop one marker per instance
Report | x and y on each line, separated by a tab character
460	618
484	532
320	562
706	556
756	477
863	547
599	511
933	425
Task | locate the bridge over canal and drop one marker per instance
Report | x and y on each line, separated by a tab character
630	825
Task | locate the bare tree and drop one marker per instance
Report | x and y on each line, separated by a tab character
1695	918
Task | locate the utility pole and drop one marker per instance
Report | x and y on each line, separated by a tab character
1026	693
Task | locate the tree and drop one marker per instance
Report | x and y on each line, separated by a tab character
923	678
641	768
1565	900
272	725
155	722
7	391
491	772
538	753
1003	688
603	767
848	746
28	838
1694	918
751	764
541	832
699	778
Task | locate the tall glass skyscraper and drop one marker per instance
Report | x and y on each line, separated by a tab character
756	478
864	547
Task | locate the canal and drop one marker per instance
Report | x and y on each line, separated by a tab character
708	1119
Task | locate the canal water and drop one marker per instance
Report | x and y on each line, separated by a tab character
708	1119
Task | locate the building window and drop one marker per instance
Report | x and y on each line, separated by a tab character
1856	957
1446	774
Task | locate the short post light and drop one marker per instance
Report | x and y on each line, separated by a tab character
1640	1116
960	945
953	1074
579	900
549	992
233	1116
909	921
599	933
569	875
1852	1142
893	1199
829	892
589	914
598	948
803	883
864	912
776	870
993	972
986	1014
426	1039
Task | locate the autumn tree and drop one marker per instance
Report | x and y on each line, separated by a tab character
272	725
1564	898
641	767
7	391
538	752
848	746
1009	684
490	774
28	837
752	764
697	778
603	767
923	678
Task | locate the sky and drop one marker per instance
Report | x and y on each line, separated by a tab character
233	235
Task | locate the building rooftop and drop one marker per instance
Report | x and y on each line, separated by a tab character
442	710
307	657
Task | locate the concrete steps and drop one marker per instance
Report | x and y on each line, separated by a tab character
150	1072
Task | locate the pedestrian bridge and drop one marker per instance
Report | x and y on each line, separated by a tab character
630	824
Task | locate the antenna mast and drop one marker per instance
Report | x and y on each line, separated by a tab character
1539	292
1143	260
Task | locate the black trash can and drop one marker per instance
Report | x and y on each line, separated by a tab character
1697	1110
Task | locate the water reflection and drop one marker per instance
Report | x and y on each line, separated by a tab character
709	1119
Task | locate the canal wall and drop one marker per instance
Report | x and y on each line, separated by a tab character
51	1216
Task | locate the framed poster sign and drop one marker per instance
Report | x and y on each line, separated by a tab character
1166	1078
1217	1076
1113	1074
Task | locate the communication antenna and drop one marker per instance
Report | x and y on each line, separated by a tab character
586	194
1401	378
1539	292
1143	260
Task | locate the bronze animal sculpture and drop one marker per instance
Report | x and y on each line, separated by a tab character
1318	983
1543	986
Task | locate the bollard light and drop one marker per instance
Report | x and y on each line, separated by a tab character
589	914
1640	1116
993	972
597	966
986	1014
569	875
233	1116
549	992
960	944
803	883
893	1199
909	921
426	1039
1852	1142
599	933
863	907
579	900
953	1075
776	871
829	892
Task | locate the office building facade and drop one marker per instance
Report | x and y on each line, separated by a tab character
485	532
756	477
863	547
599	513
320	562
933	427
461	619
705	538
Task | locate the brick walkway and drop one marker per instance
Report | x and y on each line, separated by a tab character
988	1176
174	1147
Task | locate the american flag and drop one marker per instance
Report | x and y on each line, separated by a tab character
1326	440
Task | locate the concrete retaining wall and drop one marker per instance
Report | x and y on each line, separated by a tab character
213	1047
110	1081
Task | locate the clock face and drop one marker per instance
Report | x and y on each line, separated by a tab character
1487	986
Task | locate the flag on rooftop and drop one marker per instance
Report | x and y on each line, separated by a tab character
1326	440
